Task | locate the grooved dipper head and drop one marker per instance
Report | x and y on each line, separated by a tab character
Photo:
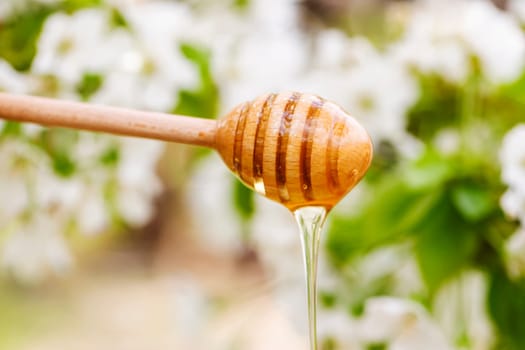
296	149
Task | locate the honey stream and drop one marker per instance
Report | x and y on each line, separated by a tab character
311	221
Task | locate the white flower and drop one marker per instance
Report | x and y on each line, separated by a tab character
394	262
90	146
137	179
260	63
331	48
440	37
278	244
36	249
124	185
386	317
92	215
14	189
141	67
515	253
330	71
379	93
447	59
500	46
460	308
207	192
517	7
279	248
430	42
447	141
134	90
513	204
512	157
257	53
275	16
276	238
136	184
69	46
154	69
20	164
404	324
11	81
72	45
338	326
31	180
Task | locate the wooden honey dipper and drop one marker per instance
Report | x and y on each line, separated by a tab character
296	149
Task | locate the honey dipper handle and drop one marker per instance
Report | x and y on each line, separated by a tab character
121	121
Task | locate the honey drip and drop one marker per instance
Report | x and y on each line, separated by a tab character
311	221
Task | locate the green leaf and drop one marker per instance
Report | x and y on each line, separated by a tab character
438	107
506	305
110	192
327	299
394	211
195	54
241	4
11	128
203	101
386	157
243	200
63	165
75	5
515	89
117	19
58	143
19	35
430	170
505	107
198	103
444	244
474	202
110	157
89	85
329	344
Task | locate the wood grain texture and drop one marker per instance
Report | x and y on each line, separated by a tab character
121	121
296	149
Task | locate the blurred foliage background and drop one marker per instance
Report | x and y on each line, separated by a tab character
112	242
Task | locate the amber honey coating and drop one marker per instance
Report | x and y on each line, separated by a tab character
296	149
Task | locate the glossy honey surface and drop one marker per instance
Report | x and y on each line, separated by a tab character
296	149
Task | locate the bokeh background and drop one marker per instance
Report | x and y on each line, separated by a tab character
118	243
